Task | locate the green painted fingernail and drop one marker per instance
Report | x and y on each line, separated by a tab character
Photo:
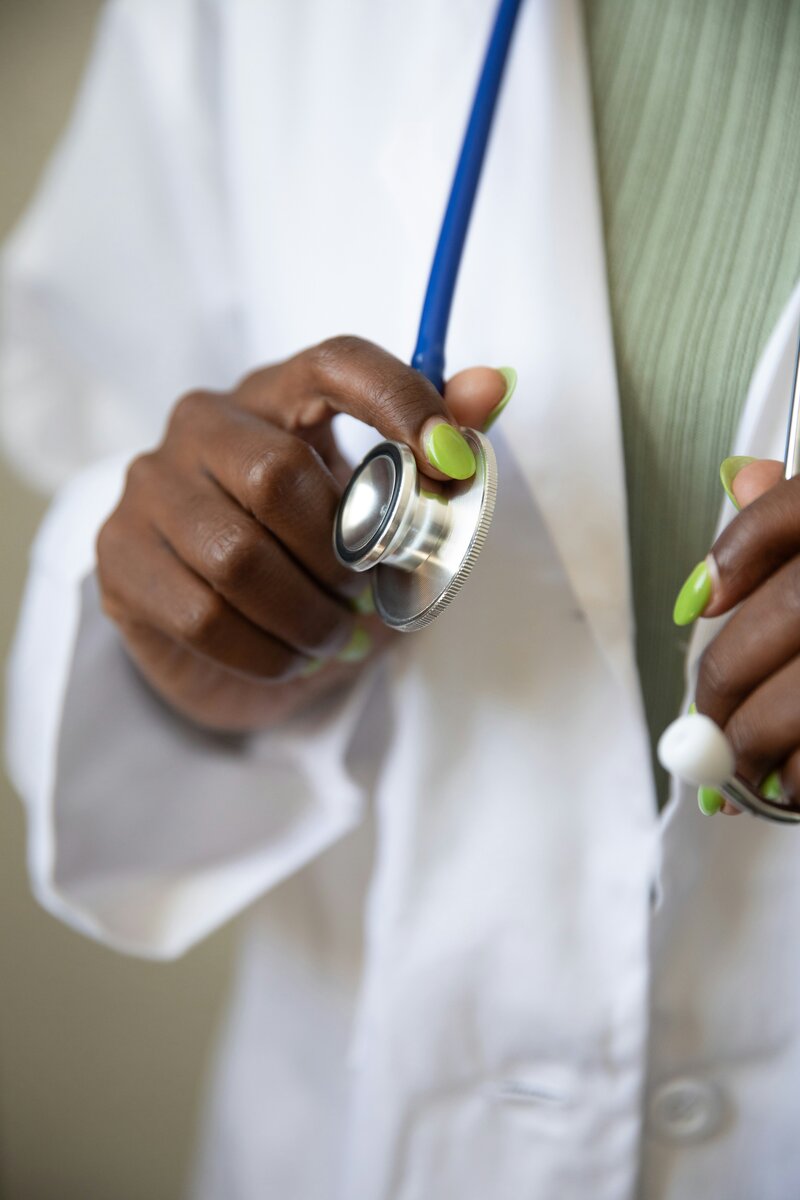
357	648
510	376
729	470
364	603
693	596
448	451
709	801
312	666
771	787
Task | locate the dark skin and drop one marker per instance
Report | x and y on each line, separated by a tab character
218	569
749	680
217	565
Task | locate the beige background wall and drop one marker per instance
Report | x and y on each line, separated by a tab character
101	1057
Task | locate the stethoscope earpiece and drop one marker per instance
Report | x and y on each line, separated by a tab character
420	539
697	751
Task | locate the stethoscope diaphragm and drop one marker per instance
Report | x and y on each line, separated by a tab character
420	538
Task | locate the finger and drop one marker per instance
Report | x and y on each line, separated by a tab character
324	442
249	567
478	395
758	541
709	591
347	374
144	583
757	640
219	700
745	479
277	477
765	730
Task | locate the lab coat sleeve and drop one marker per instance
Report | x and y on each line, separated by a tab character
120	283
144	832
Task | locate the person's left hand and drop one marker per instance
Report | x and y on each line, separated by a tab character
749	678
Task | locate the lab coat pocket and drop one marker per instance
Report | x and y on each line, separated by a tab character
504	1136
491	1071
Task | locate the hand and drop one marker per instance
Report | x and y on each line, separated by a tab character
217	566
749	680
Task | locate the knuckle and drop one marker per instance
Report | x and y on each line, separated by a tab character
333	352
251	386
121	547
199	620
258	477
187	410
274	478
230	556
397	397
329	361
252	380
141	473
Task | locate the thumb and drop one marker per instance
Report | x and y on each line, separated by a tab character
740	552
745	478
477	396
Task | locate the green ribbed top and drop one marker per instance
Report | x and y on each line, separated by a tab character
697	113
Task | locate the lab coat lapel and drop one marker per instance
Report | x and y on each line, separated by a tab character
565	428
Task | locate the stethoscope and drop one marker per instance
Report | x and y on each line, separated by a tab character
419	544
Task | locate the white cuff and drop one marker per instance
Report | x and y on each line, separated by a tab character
146	832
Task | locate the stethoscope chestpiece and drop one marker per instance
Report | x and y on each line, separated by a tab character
420	542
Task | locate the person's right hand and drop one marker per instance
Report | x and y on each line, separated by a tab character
218	566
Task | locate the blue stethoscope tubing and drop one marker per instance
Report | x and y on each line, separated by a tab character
428	355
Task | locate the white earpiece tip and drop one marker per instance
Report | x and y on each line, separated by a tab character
697	751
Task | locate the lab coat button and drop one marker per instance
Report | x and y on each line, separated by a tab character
686	1110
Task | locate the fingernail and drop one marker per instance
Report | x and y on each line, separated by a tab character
312	666
510	376
364	603
357	648
771	787
448	451
693	596
729	470
709	801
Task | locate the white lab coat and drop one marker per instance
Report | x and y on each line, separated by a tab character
477	961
